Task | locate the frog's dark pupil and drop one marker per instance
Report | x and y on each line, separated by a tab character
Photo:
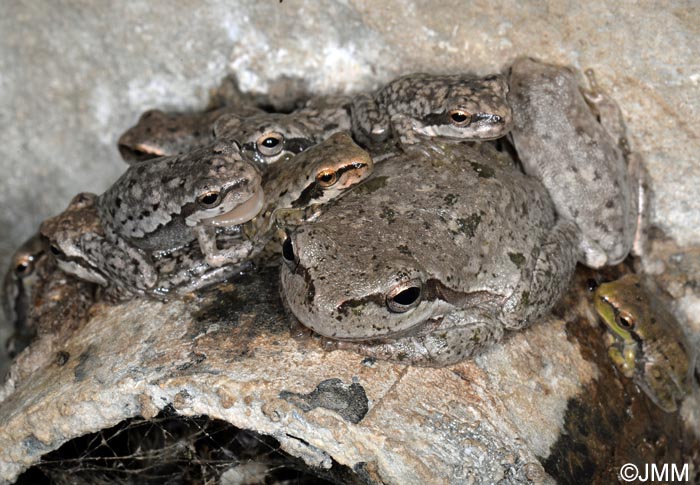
54	250
21	268
326	177
591	284
209	199
288	250
407	296
271	142
459	117
625	323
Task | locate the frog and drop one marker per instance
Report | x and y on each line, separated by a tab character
645	341
77	242
297	189
420	105
574	141
159	134
431	259
27	266
164	204
267	138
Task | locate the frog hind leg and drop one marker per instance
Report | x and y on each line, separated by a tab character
549	278
370	123
125	266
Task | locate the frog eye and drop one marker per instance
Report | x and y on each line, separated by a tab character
288	251
326	178
624	322
24	266
55	250
270	144
459	117
404	297
209	199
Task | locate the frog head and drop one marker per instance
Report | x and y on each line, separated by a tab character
266	138
65	234
475	109
349	291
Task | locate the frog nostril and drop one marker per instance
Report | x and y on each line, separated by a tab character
403	298
55	250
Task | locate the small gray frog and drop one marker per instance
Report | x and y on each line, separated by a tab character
267	138
422	105
431	258
297	189
161	134
77	242
163	204
574	142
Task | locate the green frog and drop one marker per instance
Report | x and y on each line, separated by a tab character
646	342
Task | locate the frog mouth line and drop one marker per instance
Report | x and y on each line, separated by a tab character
241	213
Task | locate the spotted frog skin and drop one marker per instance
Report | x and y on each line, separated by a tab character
646	342
578	153
161	134
77	242
431	258
426	105
267	138
163	204
296	189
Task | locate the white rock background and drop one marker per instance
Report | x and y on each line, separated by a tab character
75	74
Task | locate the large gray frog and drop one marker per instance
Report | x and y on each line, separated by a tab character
579	154
164	204
431	258
267	138
422	105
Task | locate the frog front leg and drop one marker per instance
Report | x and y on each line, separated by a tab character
206	236
458	337
370	123
548	280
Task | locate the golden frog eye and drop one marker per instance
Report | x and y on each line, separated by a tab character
624	322
404	296
270	144
209	199
24	265
459	117
326	178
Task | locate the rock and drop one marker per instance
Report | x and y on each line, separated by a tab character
544	404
